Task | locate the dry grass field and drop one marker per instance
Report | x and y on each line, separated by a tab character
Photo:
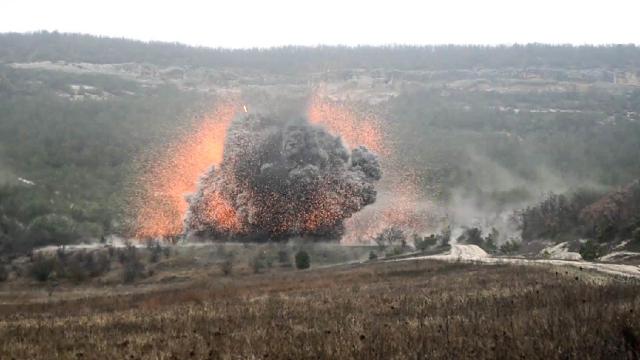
380	310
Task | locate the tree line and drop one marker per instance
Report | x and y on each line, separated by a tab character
54	46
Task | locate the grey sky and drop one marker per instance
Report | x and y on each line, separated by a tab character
243	23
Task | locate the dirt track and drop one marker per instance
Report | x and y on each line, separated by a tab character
473	253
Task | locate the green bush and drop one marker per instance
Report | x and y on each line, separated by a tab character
52	229
373	255
81	266
42	268
471	236
589	250
303	261
490	241
75	270
510	247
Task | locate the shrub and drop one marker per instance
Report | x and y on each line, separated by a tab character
133	267
122	255
155	250
303	261
62	255
510	247
4	274
82	266
489	244
76	268
268	260
389	237
102	264
42	268
395	251
471	236
373	255
52	229
557	216
606	233
111	251
423	243
589	250
445	236
226	266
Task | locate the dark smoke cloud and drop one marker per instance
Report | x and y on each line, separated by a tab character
279	180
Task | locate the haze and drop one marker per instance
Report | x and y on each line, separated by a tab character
242	24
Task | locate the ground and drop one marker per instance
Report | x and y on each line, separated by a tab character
403	309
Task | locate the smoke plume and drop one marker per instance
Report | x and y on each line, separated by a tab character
282	179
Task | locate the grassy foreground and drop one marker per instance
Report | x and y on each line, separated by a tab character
409	309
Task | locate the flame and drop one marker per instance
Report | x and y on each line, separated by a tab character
161	205
401	200
220	212
355	128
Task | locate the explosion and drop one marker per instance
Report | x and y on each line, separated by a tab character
354	128
401	202
282	179
159	202
257	178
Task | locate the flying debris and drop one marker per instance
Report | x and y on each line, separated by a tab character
25	181
282	179
158	200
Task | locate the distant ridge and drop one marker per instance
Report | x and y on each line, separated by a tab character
54	46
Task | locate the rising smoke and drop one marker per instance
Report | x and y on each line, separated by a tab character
282	179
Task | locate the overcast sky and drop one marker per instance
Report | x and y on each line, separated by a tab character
243	23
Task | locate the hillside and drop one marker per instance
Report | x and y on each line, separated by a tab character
499	126
54	46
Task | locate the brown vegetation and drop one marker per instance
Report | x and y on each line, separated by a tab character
409	309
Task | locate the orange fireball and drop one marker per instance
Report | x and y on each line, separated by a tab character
161	203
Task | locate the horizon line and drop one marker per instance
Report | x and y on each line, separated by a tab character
325	45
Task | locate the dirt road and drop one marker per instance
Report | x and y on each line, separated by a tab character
473	253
